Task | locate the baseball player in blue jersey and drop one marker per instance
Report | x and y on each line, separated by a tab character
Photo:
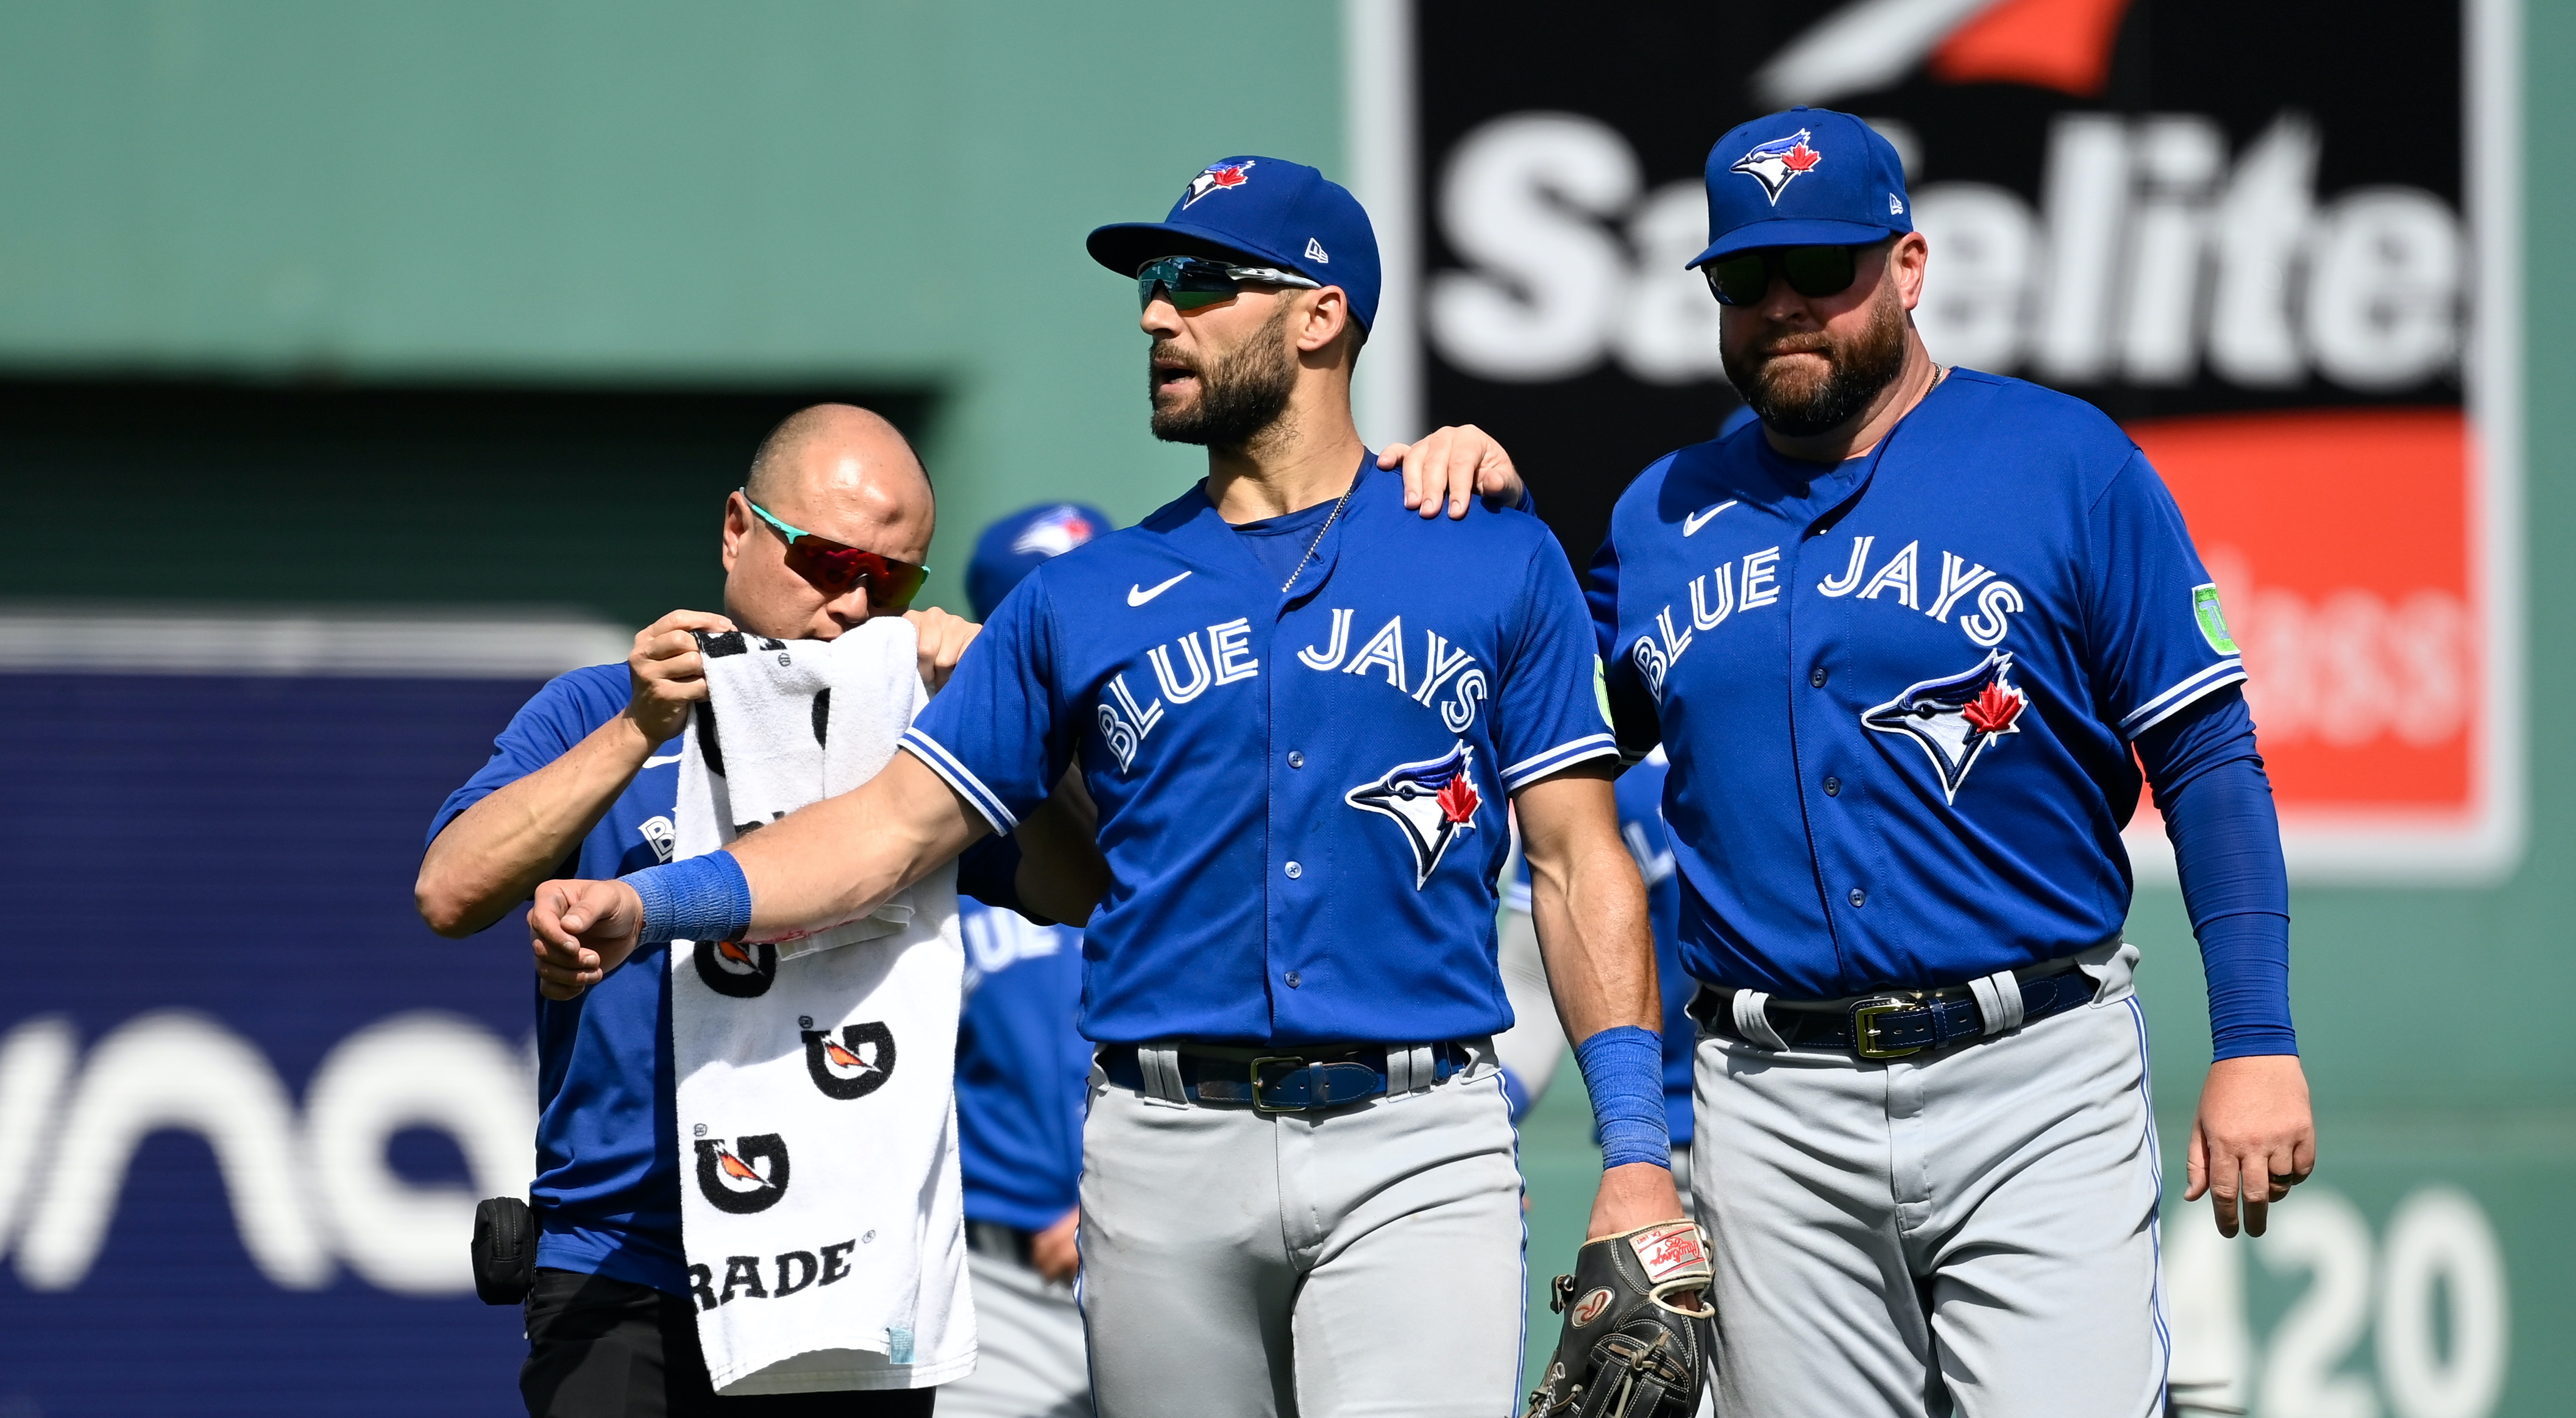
1907	643
1298	707
1022	1073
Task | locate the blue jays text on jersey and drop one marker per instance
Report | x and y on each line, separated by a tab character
1899	693
1298	793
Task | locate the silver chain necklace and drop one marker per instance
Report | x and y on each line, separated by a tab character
1329	519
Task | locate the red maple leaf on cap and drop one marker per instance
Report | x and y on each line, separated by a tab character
1799	158
1994	708
1228	176
1459	799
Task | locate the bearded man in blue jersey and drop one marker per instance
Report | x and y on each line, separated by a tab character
1907	642
1297	700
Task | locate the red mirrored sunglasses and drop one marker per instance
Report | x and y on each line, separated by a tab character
836	568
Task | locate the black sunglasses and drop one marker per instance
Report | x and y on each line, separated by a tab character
1191	282
1745	277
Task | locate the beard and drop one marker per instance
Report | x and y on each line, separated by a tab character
1799	403
1242	392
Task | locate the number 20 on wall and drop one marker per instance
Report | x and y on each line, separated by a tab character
2430	1294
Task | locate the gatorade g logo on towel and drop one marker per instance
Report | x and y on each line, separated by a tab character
749	1176
736	970
855	1066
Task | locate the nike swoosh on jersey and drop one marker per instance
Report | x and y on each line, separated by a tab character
658	762
1137	595
1694	521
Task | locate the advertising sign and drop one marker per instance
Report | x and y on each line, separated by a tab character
247	1101
2275	240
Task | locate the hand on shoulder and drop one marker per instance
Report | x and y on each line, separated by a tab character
1453	464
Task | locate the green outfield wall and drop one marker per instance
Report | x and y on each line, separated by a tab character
766	200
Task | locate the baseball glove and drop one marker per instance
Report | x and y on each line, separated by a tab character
1627	1351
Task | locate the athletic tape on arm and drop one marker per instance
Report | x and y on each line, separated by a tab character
702	898
1623	1069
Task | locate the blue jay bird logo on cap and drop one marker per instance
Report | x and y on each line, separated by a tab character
1433	801
1054	532
1774	163
1954	718
1216	179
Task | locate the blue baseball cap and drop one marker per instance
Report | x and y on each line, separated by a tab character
1807	177
1012	547
1274	212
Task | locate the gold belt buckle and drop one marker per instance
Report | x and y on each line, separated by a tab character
1259	1106
1865	1015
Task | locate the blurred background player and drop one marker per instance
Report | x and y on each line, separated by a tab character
1021	1072
587	776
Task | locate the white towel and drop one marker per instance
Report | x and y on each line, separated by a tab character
820	1207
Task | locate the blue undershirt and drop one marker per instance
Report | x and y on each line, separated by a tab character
2217	804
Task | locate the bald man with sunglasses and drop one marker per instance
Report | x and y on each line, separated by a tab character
828	531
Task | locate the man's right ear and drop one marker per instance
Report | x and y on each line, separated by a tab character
737	525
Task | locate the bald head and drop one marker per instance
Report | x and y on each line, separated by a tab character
827	439
843	474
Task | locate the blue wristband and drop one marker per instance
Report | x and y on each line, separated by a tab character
702	898
1623	1069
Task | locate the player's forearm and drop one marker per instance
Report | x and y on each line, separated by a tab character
841	858
1596	940
496	851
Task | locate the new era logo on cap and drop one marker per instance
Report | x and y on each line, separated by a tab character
1315	251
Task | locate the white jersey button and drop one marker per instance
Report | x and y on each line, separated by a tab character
1296	759
1292	979
1295	871
1858	896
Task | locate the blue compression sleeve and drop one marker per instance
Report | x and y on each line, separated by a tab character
702	898
2217	803
1623	1069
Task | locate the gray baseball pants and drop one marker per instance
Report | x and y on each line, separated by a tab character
1968	1231
1028	1348
1356	1262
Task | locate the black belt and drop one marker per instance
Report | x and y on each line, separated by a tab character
992	1238
1894	1023
1326	1077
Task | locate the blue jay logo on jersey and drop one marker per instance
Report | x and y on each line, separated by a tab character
1955	718
1433	801
1774	163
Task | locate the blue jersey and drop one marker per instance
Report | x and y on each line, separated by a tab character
1297	791
607	1189
1899	693
1641	826
1022	1071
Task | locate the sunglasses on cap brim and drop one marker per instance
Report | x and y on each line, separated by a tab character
836	568
1190	282
1745	277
